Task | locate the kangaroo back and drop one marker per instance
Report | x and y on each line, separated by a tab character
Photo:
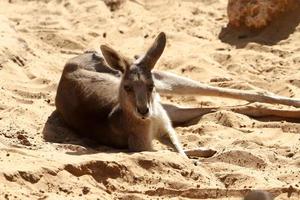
86	94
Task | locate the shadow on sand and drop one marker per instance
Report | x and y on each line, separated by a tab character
56	131
276	31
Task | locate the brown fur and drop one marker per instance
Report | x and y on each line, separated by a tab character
122	112
93	99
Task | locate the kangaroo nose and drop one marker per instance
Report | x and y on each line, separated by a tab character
143	111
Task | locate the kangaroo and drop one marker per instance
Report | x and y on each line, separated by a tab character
118	105
115	100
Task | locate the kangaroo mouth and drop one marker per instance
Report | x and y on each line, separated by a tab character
144	114
144	117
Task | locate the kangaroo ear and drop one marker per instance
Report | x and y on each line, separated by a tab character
114	59
154	52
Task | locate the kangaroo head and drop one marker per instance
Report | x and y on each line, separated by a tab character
137	85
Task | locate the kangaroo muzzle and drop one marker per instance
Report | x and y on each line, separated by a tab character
143	111
142	105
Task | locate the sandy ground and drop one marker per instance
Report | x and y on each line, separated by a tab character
41	159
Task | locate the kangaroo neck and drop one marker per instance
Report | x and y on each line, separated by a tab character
132	119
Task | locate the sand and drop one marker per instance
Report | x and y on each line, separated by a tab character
42	159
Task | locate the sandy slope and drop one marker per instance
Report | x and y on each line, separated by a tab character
41	159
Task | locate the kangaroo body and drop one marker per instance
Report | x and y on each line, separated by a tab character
87	99
116	101
92	100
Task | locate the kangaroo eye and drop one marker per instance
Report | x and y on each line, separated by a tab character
150	87
127	88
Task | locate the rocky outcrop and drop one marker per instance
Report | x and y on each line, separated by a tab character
257	13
